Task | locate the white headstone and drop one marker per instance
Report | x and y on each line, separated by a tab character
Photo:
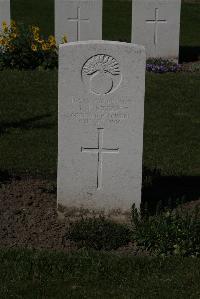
79	20
4	12
100	125
156	25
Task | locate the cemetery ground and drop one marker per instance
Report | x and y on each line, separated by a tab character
28	158
29	274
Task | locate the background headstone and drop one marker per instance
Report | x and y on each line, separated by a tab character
4	11
100	125
156	25
79	20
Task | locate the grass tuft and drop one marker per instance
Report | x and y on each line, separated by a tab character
99	234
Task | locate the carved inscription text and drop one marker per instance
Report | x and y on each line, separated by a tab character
100	111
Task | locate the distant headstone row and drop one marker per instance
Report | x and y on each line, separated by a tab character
155	23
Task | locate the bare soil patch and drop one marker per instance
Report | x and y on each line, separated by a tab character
29	219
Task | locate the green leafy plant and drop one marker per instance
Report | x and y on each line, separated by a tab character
98	233
173	232
23	47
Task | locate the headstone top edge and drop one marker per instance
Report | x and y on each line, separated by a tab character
77	0
102	42
159	1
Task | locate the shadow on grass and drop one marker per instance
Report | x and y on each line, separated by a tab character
6	177
160	191
26	124
189	54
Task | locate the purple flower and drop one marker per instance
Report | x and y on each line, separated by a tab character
162	66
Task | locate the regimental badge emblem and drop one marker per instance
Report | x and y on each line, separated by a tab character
101	74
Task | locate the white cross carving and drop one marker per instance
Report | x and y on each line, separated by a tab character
78	21
100	150
156	22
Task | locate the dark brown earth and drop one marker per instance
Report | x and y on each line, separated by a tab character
28	218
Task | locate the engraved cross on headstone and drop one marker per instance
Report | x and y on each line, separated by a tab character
156	22
78	21
100	150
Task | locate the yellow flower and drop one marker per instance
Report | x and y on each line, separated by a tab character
4	26
5	41
52	40
45	47
35	29
40	41
36	36
13	35
34	47
64	39
13	25
48	46
2	41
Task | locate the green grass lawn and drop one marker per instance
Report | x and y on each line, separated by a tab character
28	125
190	33
28	274
34	12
